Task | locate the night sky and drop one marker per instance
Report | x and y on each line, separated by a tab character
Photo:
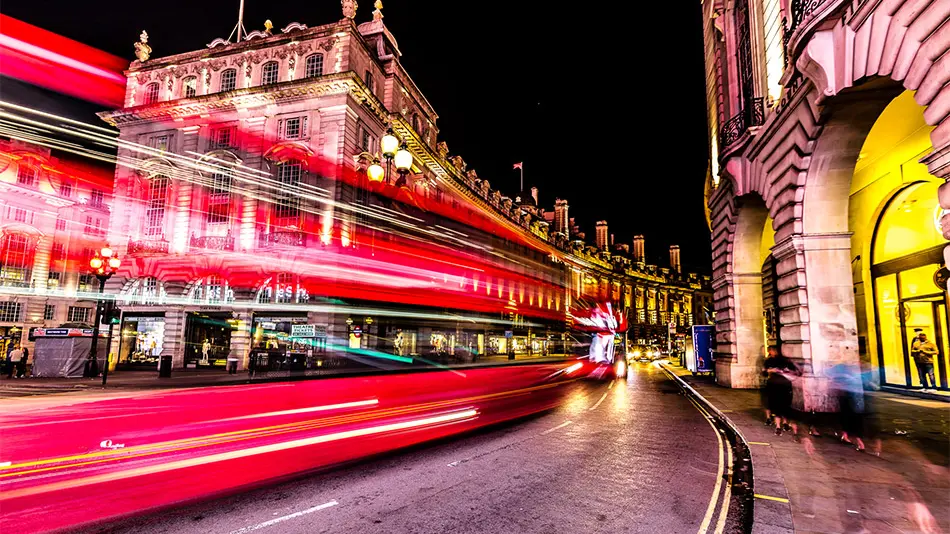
603	102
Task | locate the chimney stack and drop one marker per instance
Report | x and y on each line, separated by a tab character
534	195
639	253
611	240
675	258
601	235
562	223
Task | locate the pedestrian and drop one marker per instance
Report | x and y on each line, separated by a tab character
769	418
923	350
24	361
846	382
16	357
8	361
232	363
778	389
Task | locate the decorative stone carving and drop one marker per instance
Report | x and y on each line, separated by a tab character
349	8
217	64
180	71
218	42
378	12
168	83
143	77
268	27
293	27
471	176
458	162
142	49
207	77
328	44
247	70
442	148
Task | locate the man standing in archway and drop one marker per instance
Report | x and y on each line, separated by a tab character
923	350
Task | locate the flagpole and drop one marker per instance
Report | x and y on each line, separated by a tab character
521	171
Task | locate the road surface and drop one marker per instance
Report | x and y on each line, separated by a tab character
626	456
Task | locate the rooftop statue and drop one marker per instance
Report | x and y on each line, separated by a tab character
142	49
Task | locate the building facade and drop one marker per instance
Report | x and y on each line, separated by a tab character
830	147
248	212
54	214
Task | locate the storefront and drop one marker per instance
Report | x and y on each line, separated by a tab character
9	336
208	338
289	339
141	340
907	253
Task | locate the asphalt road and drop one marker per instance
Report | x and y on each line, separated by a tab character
635	456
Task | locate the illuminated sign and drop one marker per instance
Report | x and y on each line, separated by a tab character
303	330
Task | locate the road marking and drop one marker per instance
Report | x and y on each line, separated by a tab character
727	492
769	498
558	427
758	443
611	385
594	407
281	519
711	508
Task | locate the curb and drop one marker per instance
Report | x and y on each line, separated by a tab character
743	469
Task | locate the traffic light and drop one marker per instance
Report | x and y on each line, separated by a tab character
110	312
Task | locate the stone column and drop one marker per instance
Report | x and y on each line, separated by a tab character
241	338
174	342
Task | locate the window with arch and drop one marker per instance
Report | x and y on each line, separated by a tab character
314	65
151	94
269	73
228	80
16	260
211	289
287	201
26	174
146	290
189	87
156	199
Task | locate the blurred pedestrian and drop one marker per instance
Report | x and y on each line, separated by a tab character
923	350
232	363
778	389
769	418
849	390
24	359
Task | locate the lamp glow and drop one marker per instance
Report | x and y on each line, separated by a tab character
403	160
375	172
389	144
114	263
96	263
106	252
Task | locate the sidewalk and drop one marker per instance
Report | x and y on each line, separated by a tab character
184	378
823	485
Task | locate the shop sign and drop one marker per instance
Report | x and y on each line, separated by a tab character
64	332
319	331
303	330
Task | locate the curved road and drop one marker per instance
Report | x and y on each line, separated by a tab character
628	456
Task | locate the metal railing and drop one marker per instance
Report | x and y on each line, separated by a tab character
748	116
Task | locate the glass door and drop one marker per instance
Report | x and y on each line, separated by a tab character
942	362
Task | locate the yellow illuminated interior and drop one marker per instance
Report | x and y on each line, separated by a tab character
908	225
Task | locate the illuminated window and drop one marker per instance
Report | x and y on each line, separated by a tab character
86	281
66	189
269	73
151	94
155	208
774	48
189	87
26	174
315	65
288	200
909	223
219	199
16	260
52	280
228	80
49	312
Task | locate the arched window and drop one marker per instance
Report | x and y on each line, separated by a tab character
211	289
269	73
228	80
189	87
147	290
151	94
26	174
285	288
287	201
16	260
314	65
156	199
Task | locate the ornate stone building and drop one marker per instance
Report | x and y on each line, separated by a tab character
830	147
247	202
54	215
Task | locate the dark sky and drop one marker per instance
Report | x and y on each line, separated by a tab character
603	102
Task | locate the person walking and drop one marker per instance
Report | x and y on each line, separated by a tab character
23	363
924	351
778	389
16	357
232	363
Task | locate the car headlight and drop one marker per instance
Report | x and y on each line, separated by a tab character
636	354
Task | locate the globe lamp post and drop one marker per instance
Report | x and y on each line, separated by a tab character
103	265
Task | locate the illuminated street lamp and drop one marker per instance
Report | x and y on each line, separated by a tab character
103	265
403	160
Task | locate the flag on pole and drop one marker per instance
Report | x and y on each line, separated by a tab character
519	165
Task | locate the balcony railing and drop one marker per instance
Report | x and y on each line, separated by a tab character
749	116
148	246
213	242
294	238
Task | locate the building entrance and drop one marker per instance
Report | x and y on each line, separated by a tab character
208	339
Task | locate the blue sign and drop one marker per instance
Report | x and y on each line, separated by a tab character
703	347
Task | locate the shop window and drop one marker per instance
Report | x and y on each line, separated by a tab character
909	224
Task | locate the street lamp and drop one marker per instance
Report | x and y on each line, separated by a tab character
389	146
103	265
403	159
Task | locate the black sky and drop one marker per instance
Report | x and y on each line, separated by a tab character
603	101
